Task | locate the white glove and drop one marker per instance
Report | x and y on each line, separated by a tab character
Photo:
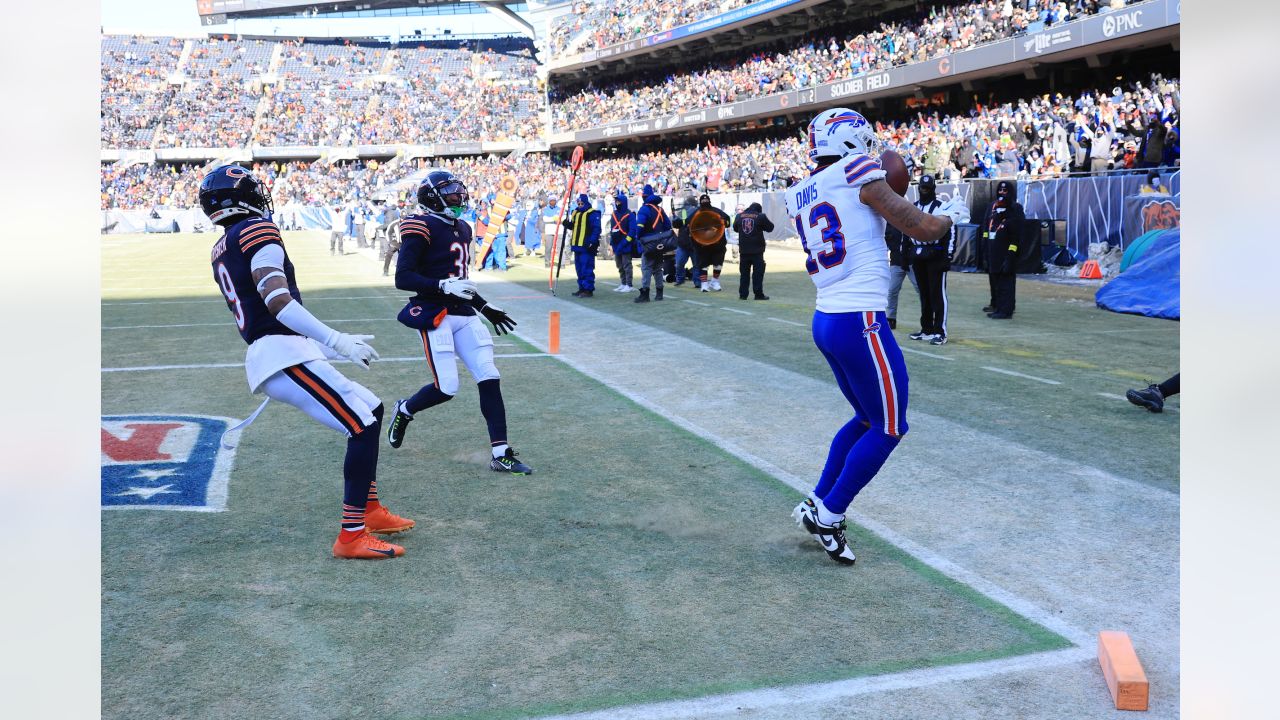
464	288
355	349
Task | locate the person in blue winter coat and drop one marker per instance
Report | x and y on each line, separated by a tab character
654	236
532	227
584	241
622	238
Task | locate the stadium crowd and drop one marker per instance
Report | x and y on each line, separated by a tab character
862	47
614	21
227	95
1044	136
135	87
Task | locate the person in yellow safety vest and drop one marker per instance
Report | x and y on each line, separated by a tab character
584	226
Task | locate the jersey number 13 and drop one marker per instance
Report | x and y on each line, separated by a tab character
829	251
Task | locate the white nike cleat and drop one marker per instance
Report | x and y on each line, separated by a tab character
830	537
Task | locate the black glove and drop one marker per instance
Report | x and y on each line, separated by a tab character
502	322
593	249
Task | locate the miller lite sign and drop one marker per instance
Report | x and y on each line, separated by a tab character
166	462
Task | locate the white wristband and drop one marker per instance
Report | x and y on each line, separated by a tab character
300	320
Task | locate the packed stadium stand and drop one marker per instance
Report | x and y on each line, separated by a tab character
219	93
598	24
865	45
327	122
135	87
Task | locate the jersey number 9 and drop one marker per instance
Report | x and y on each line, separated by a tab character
831	251
229	290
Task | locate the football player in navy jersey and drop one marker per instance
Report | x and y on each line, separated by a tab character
434	263
288	348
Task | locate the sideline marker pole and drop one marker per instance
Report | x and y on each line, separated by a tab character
553	333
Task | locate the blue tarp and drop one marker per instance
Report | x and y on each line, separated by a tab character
1151	286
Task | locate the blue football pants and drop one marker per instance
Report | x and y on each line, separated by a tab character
872	375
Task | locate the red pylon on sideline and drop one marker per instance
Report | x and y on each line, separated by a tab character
1091	271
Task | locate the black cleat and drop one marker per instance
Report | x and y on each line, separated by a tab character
988	308
509	464
999	316
399	423
830	537
1151	398
762	297
921	335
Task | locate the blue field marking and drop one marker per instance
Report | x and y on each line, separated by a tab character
165	462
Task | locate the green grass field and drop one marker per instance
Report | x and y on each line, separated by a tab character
641	562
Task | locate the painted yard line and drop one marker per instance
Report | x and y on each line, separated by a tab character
1021	375
926	354
1066	332
216	299
807	697
695	302
220	324
735	310
214	366
789	322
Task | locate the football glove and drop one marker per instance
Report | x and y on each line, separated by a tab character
502	322
464	288
355	349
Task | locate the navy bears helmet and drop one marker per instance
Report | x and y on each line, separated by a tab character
231	191
443	193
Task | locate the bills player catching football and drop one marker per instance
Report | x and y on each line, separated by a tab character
840	212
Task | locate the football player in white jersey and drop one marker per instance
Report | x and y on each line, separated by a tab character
840	212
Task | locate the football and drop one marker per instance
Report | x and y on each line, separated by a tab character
895	171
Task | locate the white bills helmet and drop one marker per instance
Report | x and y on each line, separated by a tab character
839	132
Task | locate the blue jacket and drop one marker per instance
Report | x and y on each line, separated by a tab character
651	218
584	229
622	228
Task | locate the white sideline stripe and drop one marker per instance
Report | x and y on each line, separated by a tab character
789	322
214	366
220	324
220	301
735	310
695	302
1021	375
817	693
926	354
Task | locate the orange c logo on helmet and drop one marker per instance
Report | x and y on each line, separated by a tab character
236	171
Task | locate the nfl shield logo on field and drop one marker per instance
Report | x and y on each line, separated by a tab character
167	462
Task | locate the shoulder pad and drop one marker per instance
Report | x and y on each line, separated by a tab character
256	231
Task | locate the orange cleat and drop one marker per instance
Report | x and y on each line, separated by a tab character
364	546
385	522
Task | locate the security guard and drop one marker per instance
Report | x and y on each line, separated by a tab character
1003	233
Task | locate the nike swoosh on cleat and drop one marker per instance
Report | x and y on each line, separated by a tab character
388	553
